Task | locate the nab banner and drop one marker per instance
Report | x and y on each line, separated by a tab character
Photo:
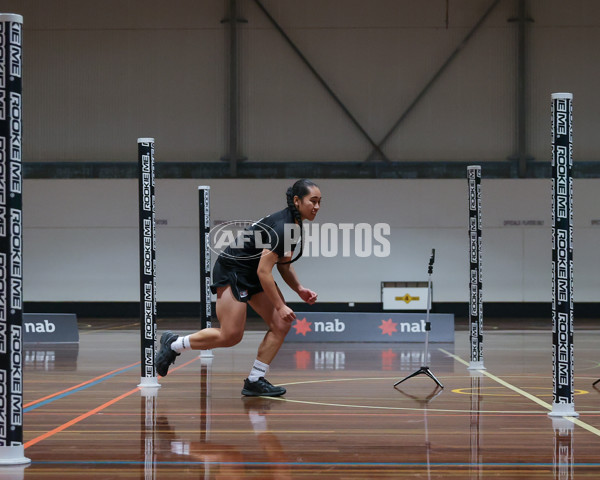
50	328
370	327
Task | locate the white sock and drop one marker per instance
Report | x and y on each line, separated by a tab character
182	343
259	369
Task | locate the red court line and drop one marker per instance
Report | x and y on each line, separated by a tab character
78	419
83	416
79	385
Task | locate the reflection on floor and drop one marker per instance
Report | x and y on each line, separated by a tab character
341	418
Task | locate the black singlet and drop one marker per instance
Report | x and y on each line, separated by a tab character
237	265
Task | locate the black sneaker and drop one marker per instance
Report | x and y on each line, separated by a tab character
261	388
165	356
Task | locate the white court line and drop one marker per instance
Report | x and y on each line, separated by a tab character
533	398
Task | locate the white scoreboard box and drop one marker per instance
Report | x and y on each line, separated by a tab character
404	295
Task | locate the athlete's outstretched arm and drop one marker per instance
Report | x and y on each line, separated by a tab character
268	260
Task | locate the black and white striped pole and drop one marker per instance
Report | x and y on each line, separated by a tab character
475	269
147	241
205	262
11	252
562	255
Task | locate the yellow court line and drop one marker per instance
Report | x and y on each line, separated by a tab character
411	409
113	327
502	382
584	425
533	398
469	391
358	379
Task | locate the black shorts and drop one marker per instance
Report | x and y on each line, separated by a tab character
243	284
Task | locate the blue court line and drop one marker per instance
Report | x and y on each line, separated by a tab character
83	387
309	464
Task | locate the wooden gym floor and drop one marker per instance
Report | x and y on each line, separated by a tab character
341	418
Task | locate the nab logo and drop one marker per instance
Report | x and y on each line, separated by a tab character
336	326
40	327
303	326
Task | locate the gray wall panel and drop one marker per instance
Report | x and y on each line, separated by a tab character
377	70
101	73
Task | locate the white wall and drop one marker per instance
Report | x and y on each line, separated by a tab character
81	239
98	75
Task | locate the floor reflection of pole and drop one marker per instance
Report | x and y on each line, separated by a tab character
427	442
149	400
205	404
476	463
13	472
564	451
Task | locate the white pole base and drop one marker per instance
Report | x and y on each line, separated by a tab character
149	382
13	455
476	366
563	410
206	354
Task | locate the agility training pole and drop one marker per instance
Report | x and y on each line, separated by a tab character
562	255
205	267
11	241
147	237
475	269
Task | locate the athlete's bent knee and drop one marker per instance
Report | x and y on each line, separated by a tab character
281	328
232	339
